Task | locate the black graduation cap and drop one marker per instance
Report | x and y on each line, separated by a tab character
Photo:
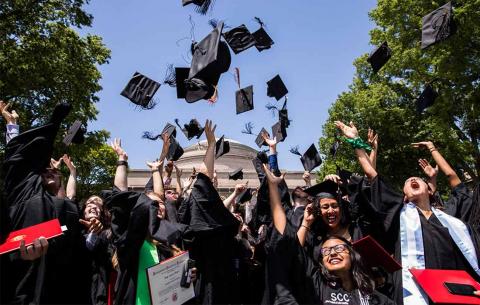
239	39
211	57
344	175
222	147
236	174
175	151
262	39
75	134
245	196
379	57
244	99
438	25
140	90
426	99
279	131
170	130
192	129
181	75
202	5
327	186
310	159
259	140
276	88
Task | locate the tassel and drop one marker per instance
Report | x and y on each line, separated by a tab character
178	123
213	23
237	76
213	99
294	150
284	107
259	21
205	7
248	128
170	76
150	136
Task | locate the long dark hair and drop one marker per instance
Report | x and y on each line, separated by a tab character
360	276
345	218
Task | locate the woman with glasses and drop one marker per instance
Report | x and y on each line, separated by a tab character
340	278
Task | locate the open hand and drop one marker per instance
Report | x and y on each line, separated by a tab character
10	117
55	164
372	139
334	178
271	178
426	144
210	132
155	165
350	132
428	169
270	142
117	147
93	225
35	250
68	162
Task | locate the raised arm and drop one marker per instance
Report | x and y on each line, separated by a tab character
278	214
306	178
121	174
373	141
308	219
72	178
272	156
452	176
431	173
209	160
11	119
156	169
351	132
178	176
239	188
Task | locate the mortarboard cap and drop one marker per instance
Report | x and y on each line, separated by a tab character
170	130
432	282
259	140
262	39
175	151
239	39
236	175
379	57
438	25
344	175
375	255
75	134
202	5
311	158
244	99
140	90
327	187
279	131
245	196
426	99
198	89
192	129
276	88
181	75
222	147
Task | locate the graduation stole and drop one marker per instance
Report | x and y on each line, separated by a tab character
148	258
413	255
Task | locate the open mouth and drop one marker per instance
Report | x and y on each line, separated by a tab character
332	218
415	185
335	261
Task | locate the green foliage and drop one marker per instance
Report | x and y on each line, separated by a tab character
44	61
385	101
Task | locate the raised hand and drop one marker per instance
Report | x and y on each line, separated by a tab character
309	215
271	178
117	147
10	117
93	225
270	142
425	144
155	165
178	171
210	132
334	178
68	162
35	250
239	188
55	164
372	139
350	132
428	169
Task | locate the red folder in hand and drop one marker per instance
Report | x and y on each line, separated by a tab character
48	229
375	255
433	282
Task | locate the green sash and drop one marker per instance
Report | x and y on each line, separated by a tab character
148	258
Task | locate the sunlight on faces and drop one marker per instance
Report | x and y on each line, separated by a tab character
336	256
92	210
330	211
415	189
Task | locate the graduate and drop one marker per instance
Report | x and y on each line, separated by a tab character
341	277
419	235
33	195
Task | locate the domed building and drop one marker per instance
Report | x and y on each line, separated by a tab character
240	156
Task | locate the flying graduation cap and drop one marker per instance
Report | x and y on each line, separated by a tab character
203	6
310	159
438	25
210	58
236	174
259	140
262	40
379	57
140	90
222	147
244	99
169	129
192	129
426	98
239	39
75	134
279	131
276	88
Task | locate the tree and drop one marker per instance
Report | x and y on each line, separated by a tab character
44	61
386	101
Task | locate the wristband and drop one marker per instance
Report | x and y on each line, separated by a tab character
308	229
155	170
357	143
120	163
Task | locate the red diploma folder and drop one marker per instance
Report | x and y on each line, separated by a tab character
374	255
48	229
433	282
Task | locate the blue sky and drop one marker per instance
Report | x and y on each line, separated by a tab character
316	42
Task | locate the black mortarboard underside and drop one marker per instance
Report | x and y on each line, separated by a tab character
222	147
438	25
75	134
192	129
262	40
259	140
276	88
279	131
244	99
310	159
239	39
426	99
175	151
140	90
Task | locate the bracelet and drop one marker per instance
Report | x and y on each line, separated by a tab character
308	229
120	163
433	149
155	170
357	143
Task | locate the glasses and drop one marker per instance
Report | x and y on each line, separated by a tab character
337	248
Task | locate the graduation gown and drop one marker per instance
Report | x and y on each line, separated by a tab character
134	217
211	234
295	267
57	277
441	252
460	203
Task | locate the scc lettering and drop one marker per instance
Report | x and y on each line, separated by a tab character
339	297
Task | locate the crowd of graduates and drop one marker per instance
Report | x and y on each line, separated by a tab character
280	245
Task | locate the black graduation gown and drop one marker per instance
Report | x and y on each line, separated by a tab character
460	203
441	252
211	232
314	288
